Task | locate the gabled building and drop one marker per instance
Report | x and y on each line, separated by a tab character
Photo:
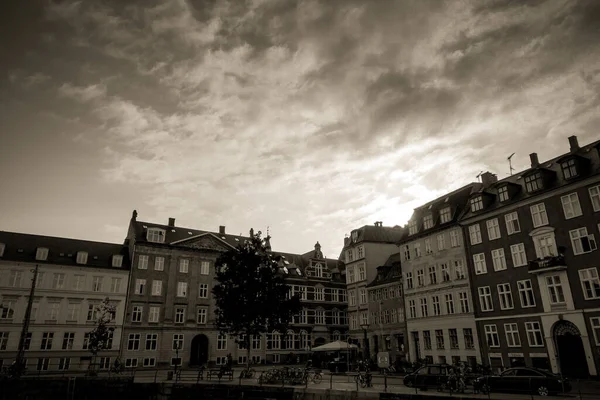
73	277
386	311
367	248
437	297
533	263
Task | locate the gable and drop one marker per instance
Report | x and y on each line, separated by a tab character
205	241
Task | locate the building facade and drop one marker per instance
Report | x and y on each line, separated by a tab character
171	311
437	297
367	248
533	263
73	277
386	311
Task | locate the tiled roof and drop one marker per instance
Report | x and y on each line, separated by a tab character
390	272
375	234
21	247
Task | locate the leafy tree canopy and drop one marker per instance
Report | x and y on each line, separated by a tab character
101	336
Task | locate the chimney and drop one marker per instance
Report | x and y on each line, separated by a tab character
222	230
487	178
172	222
573	143
534	160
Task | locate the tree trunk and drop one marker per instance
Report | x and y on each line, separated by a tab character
247	339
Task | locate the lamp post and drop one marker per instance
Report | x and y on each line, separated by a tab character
364	328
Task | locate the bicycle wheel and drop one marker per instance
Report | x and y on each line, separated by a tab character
317	378
363	383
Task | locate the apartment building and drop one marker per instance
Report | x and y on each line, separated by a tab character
386	311
367	248
73	277
533	258
437	297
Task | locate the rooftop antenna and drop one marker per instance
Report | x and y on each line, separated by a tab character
510	163
478	177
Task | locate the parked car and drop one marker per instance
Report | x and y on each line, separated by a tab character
523	380
431	375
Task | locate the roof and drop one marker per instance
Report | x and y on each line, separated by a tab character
374	234
296	265
389	272
553	175
22	247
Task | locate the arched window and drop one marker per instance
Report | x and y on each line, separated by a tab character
289	339
336	336
274	341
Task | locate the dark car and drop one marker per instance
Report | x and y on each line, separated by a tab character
428	376
523	380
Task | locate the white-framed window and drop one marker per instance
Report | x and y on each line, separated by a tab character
82	257
201	316
41	254
449	303
534	182
534	334
177	341
571	206
133	341
519	257
136	313
417	249
140	286
406	253
222	342
428	246
445	215
362	295
412	227
445	271
479	263
485	298
155	235
362	272
203	290
455	238
179	315
159	263
149	362
512	335
53	311
582	242
412	309
505	296
428	222
491	335
352	298
409	280
47	338
115	285
420	277
512	223
424	307
131	363
555	289
320	317
350	274
463	298
595	197
441	242
503	193
569	168
184	265
142	261
78	282
156	288
350	254
539	215
432	275
154	314
493	229
151	341
182	289
590	283
43	364
476	203
526	293
498	259
475	234
595	323
97	283
545	245
435	302
361	252
459	270
64	363
58	281
117	260
15	278
73	310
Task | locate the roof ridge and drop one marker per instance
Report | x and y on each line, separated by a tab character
61	238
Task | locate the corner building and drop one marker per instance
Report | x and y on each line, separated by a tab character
533	263
437	297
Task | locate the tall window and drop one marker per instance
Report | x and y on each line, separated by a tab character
439	339
479	262
181	289
432	275
409	280
68	339
512	335
493	229
417	249
498	259
362	295
204	267
178	341
352	298
140	286
420	277
159	264
136	313
153	314
201	316
534	334
503	193
203	290
449	303
475	234
142	262
320	317
318	270
595	323
581	241
97	283
595	197
459	269
534	182
453	338
47	338
445	215
428	246
526	293
539	215
476	203
518	255
412	309
571	206
468	335
222	342
485	298
82	257
156	288
58	281
412	227
455	238
14	279
184	265
406	253
491	335
424	307
505	296
445	270
590	283
428	222
115	285
555	290
435	301
441	242
464	302
151	341
512	223
362	272
569	168
179	315
53	311
427	340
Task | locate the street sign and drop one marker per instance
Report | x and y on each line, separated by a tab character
383	359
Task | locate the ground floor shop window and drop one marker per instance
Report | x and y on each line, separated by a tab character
541	363
517	361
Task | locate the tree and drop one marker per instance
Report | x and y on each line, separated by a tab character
251	295
100	338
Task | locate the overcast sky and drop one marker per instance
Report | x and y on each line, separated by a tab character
310	117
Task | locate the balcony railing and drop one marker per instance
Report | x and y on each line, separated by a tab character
547	263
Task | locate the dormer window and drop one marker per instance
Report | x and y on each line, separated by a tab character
534	182
117	260
503	193
82	257
41	254
2	247
569	168
445	215
412	227
428	222
354	236
155	235
477	203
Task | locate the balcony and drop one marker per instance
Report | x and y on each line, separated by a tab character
546	264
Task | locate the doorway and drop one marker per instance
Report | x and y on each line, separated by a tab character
570	350
199	355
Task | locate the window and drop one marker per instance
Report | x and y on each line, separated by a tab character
73	311
68	339
222	342
455	238
350	274
140	285
350	254
571	206
42	364
117	260
151	341
518	255
435	300
555	290
424	308
78	282
177	341
512	335
476	203
153	314
420	278
14	279
143	262
362	295
203	291
104	363
582	242
491	335
131	363
428	222
159	264
409	280
3	340
439	339
58	281
201	317
47	338
54	309
97	283
479	262
453	333
320	317
176	361
441	242
503	193
534	182
149	362
181	289
136	313
445	272
526	293
352	298
156	288
569	168
498	260
538	215
590	283
362	272
493	229
91	312
64	363
463	297
256	339
82	257
505	296
512	223
459	269
412	227
7	310
475	234
445	215
406	253
595	197
155	235
485	298
468	335
361	252
534	334
449	303
412	309
428	246
179	315
41	254
427	340
432	275
594	322
115	285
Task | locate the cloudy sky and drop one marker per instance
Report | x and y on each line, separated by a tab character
309	117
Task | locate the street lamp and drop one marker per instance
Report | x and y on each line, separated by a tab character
364	328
